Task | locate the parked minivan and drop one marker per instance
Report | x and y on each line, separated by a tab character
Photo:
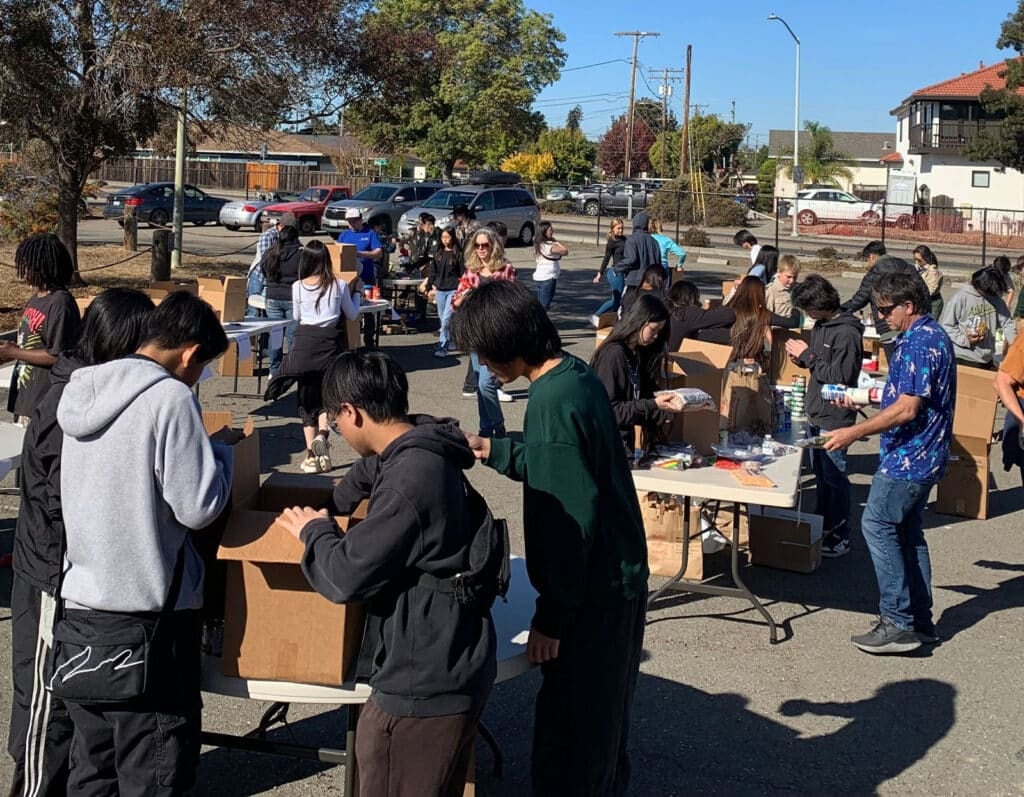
512	205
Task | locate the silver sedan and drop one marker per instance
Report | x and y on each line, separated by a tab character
246	213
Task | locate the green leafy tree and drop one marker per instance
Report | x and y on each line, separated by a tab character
649	112
574	118
573	154
668	141
481	65
822	163
1005	142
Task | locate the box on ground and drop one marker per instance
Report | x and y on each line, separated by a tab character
230	365
784	539
663	527
158	291
964	490
226	295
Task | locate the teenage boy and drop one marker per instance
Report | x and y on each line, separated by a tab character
585	549
434	660
745	240
138	475
833	357
916	422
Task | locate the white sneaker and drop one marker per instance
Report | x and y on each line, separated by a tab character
595	320
504	397
321	453
309	465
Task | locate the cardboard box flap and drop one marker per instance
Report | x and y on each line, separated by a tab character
976	400
255	536
713	354
281	490
214	421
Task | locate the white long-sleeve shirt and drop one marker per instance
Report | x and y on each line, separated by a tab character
336	301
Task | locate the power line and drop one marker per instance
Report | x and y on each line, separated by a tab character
591	66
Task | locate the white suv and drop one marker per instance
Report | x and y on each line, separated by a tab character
831	204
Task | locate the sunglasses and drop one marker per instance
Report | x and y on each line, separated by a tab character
886	310
333	426
484	245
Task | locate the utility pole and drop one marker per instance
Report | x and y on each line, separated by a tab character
685	148
665	92
179	180
732	113
637	36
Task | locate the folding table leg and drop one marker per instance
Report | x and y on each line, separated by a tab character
742	587
685	558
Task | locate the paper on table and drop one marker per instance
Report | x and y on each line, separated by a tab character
276	338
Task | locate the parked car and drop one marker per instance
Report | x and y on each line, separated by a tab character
831	204
249	212
512	205
154	203
615	198
384	202
309	207
560	194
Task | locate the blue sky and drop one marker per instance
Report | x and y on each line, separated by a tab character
858	60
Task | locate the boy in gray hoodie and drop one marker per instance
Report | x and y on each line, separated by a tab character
138	475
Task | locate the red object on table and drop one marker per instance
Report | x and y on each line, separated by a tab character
5	560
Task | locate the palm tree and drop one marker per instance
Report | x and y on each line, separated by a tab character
822	163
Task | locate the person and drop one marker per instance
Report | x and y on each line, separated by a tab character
751	334
778	296
485	262
319	300
586	555
765	264
629	364
49	323
368	249
688	319
639	253
916	424
653	282
928	267
465	224
257	279
548	254
424	242
39	740
443	279
879	264
613	251
281	267
974	314
388	246
130	560
746	240
832	357
1009	385
469	384
667	247
1018	270
434	659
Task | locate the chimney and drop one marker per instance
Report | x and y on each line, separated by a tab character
981	64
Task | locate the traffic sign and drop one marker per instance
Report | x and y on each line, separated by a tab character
380	162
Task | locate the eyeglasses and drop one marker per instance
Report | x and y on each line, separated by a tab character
886	310
484	245
333	426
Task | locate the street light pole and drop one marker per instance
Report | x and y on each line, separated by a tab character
796	121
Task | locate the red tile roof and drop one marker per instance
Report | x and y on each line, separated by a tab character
968	85
892	157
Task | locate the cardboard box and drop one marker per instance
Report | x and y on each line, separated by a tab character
605	324
83	303
226	295
158	291
976	401
964	489
782	369
343	259
229	363
245	478
663	527
784	539
700	365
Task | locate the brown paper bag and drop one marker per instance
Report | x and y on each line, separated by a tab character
663	527
747	401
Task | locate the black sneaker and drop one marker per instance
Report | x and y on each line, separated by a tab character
833	547
886	638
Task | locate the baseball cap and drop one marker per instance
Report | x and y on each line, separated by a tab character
353	213
288	219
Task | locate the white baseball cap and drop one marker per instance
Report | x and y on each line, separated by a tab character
353	213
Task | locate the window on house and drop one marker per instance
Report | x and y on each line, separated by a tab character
980	179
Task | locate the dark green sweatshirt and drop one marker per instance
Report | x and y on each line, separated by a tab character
584	535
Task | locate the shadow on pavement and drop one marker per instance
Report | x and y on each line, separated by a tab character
982	603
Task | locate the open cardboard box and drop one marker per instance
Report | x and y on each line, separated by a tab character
964	489
784	539
158	291
343	259
782	369
699	365
226	295
230	365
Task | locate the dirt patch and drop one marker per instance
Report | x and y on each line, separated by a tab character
825	265
105	266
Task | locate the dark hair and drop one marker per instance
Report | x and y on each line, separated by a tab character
927	255
271	263
182	319
901	286
682	294
44	262
542	235
990	281
315	261
372	381
500	228
462	209
427	218
769	258
654	276
502	320
752	320
816	293
744	237
647	309
873	248
1002	262
454	237
114	325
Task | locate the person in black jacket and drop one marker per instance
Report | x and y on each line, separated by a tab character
629	365
443	274
833	357
39	740
613	250
879	263
434	661
281	267
639	253
688	319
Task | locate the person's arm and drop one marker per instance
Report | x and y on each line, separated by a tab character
613	371
1005	321
1006	388
861	298
678	251
630	257
792	321
297	301
349	306
355	488
558	249
609	249
950	322
38	357
841	367
900	412
375	248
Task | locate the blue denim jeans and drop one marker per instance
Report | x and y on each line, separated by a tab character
832	489
617	283
444	312
279	309
257	284
891	525
546	292
492	419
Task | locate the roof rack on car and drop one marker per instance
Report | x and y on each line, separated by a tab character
494	177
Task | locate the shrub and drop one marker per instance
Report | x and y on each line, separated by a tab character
827	253
556	206
675	197
695	237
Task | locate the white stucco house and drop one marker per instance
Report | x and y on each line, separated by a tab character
865	151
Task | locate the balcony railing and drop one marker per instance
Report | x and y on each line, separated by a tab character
946	136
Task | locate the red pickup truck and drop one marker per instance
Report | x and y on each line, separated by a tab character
309	207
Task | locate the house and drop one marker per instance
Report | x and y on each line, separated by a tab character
932	126
864	151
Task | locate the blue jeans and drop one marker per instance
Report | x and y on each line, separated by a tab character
444	312
891	525
257	284
492	419
833	489
617	283
277	310
546	292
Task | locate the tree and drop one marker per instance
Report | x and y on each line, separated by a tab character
649	112
670	142
535	167
1005	142
574	118
573	154
481	66
611	148
822	163
92	81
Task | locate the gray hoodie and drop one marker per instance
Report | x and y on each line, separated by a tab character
138	471
967	308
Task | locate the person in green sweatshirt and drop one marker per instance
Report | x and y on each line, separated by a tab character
586	554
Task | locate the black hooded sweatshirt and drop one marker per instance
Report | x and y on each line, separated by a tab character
640	252
834	358
434	656
281	290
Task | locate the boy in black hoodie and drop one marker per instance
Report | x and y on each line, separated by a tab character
833	358
435	659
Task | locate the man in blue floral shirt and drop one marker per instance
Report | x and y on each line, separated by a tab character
916	422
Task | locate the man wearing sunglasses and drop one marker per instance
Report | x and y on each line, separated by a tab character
916	424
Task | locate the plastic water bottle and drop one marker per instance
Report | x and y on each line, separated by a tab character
768	446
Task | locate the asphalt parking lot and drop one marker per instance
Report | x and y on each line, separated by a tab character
718	710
